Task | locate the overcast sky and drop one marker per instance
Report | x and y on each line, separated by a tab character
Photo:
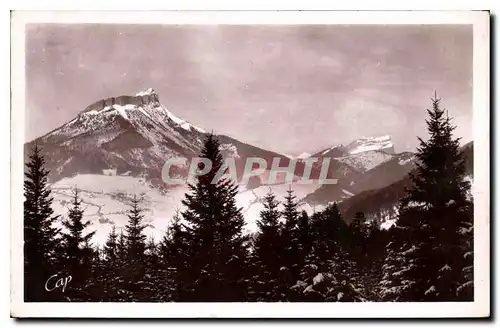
286	88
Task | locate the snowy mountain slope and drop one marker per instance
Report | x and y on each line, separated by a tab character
365	161
106	200
361	145
333	152
393	168
382	143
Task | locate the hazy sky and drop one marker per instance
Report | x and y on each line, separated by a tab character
286	88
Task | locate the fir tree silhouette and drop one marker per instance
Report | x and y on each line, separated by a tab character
268	253
219	249
135	250
433	214
76	248
41	238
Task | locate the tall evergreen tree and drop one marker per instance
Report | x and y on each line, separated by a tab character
111	246
121	248
268	253
110	278
41	238
215	223
76	248
290	237
136	247
122	270
153	273
136	239
432	214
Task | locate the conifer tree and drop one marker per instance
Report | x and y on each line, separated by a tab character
76	248
111	246
136	239
122	270
135	248
93	286
433	212
153	273
268	253
290	237
121	248
215	224
175	262
110	266
41	238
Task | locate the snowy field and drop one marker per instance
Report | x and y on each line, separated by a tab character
106	200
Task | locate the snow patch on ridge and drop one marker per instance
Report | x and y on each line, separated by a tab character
182	123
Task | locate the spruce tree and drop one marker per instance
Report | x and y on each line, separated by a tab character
136	239
110	266
122	270
111	246
121	248
433	212
93	286
268	253
135	249
41	238
174	261
219	252
153	273
292	261
76	248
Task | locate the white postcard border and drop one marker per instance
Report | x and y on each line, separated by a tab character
481	190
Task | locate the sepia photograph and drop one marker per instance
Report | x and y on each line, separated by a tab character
339	161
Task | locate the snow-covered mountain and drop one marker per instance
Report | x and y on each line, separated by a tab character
118	135
372	149
382	143
368	163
